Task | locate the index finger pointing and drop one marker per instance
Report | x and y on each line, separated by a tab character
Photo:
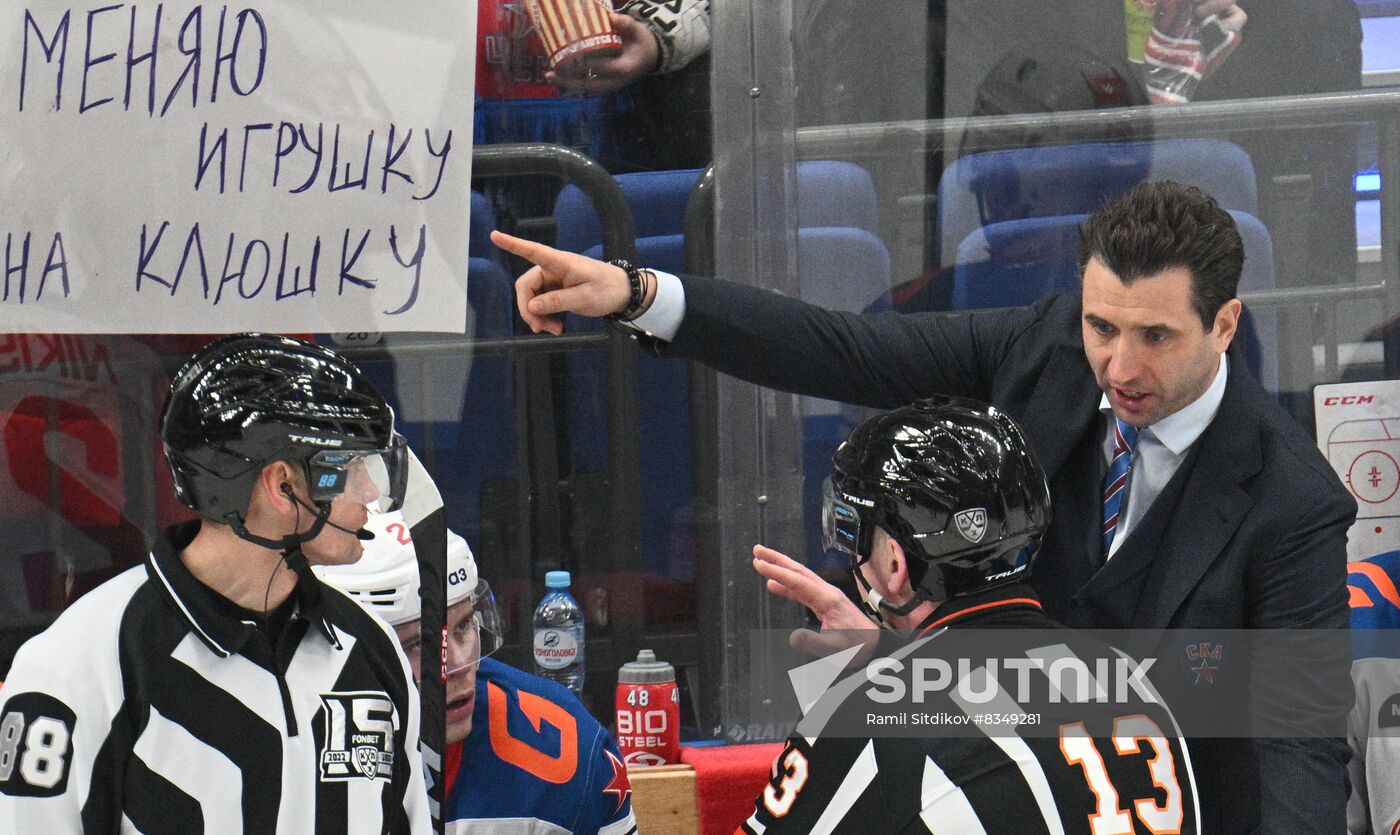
536	253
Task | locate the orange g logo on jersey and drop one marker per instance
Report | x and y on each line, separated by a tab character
558	768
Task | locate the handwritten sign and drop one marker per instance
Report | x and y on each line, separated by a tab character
257	165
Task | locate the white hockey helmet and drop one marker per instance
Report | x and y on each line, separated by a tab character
385	579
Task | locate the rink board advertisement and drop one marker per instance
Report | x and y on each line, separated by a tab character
268	165
1358	429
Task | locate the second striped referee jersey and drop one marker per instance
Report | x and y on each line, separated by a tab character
1084	771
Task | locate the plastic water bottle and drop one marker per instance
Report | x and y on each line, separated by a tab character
559	634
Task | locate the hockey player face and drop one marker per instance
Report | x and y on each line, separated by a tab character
461	655
1146	343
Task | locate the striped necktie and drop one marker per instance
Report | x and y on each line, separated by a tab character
1115	481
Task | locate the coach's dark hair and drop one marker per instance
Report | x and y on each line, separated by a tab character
1160	225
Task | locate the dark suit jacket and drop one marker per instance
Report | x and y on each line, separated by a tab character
1250	533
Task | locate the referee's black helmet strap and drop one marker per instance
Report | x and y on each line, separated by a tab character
876	606
247	400
289	545
955	483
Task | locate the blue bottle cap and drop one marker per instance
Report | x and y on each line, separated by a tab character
557	580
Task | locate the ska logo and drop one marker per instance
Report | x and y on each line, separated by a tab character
359	736
1203	660
972	523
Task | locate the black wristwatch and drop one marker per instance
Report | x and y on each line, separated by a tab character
637	286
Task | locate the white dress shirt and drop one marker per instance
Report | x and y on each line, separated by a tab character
1160	450
663	318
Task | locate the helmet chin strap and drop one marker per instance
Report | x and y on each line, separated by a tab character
875	603
289	545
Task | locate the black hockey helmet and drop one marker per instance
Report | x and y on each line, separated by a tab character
953	482
247	400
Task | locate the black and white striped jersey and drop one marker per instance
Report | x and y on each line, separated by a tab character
149	707
1088	772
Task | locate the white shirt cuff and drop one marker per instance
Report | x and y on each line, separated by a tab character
663	318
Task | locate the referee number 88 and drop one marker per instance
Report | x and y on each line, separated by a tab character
41	756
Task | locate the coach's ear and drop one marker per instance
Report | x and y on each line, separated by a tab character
1227	323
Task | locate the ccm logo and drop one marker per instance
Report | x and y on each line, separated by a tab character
1349	400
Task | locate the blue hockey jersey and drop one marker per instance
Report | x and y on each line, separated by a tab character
1374	725
535	762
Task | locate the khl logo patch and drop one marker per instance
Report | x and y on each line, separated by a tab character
972	523
358	736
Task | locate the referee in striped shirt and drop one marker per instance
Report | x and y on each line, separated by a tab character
939	506
220	687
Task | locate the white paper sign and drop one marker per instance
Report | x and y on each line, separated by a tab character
262	165
1358	429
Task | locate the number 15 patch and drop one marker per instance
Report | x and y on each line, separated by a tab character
36	744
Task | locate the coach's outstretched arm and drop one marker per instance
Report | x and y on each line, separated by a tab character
777	341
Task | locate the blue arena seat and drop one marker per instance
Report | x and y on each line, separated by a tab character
1019	261
483	220
1022	183
657	200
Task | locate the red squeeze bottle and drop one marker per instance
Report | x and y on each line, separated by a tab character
648	712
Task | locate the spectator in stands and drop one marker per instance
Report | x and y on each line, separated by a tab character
218	685
657	37
504	769
519	97
1129	379
939	508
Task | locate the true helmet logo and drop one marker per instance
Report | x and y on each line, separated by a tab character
315	441
972	523
857	500
359	736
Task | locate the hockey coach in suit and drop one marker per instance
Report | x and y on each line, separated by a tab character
1184	496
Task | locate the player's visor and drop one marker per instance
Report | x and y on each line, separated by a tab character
467	636
465	641
365	476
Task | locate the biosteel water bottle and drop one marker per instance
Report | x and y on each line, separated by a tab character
648	712
559	634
